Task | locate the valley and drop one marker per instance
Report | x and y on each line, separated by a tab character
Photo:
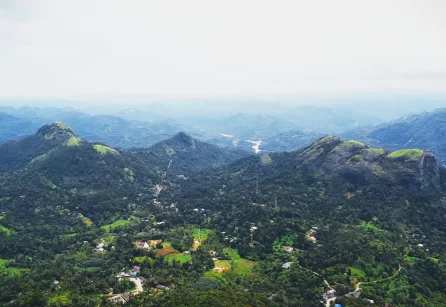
187	222
222	153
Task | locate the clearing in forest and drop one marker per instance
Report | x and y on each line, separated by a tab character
165	251
239	264
236	263
87	221
179	257
200	236
61	300
116	224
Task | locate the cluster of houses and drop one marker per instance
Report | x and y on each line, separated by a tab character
329	294
226	237
310	237
100	248
133	272
133	275
121	299
148	245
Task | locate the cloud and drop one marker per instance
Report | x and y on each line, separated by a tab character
201	48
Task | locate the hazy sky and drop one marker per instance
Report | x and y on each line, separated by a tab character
181	49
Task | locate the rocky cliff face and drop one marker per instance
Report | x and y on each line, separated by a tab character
361	164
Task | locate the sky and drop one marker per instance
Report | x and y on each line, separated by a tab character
176	49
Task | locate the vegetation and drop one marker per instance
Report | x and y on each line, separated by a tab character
69	243
73	141
4	229
406	153
102	149
115	224
352	143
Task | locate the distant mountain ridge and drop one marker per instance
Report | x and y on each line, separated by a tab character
17	123
328	120
134	128
56	154
183	154
353	162
425	131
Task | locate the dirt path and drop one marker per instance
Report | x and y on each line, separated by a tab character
358	286
315	273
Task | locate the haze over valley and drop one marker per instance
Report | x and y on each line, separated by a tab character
234	153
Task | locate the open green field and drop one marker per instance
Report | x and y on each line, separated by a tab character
243	266
204	234
116	224
223	264
143	259
236	263
239	264
407	153
179	257
166	244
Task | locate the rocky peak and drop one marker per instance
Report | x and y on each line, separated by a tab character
184	139
361	164
57	127
312	158
58	132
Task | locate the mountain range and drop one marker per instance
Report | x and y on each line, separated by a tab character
286	226
423	130
136	129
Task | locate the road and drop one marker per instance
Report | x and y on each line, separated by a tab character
137	282
358	285
329	301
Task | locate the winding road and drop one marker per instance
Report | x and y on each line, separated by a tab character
358	285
